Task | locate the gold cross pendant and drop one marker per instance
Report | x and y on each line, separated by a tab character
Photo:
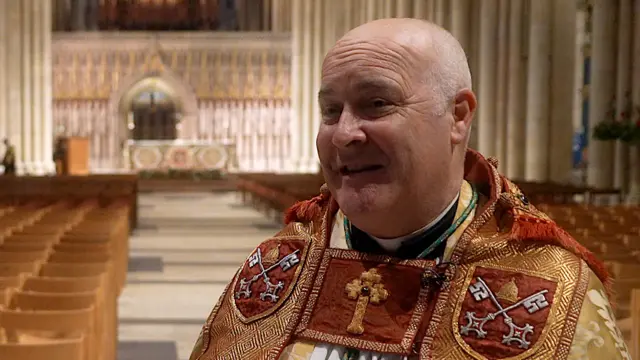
366	289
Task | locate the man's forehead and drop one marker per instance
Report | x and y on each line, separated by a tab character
335	85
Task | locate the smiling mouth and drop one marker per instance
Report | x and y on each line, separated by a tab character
345	170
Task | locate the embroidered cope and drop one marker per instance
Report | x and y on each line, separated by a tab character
509	284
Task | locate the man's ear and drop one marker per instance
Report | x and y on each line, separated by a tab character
464	107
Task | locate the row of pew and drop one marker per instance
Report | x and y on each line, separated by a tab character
62	267
611	232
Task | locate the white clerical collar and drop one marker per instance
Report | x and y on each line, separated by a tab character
392	245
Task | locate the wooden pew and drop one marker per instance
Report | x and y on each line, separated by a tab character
79	244
105	189
274	193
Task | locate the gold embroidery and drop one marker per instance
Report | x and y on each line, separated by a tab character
227	337
586	337
599	299
508	292
367	289
596	336
290	289
272	256
550	326
404	347
442	308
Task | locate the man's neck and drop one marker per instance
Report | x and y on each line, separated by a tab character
423	228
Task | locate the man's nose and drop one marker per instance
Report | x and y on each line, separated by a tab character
348	131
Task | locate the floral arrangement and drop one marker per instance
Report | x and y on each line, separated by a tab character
623	126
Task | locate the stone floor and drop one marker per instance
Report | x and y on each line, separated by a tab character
185	250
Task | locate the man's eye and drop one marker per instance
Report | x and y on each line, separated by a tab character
379	103
329	113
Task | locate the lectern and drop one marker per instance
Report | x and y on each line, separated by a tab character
75	157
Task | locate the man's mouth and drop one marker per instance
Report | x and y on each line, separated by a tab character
352	170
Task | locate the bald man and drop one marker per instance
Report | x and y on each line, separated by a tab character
416	248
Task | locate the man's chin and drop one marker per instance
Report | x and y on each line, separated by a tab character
358	201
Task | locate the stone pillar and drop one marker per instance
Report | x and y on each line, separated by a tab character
602	90
297	67
46	109
280	15
37	85
387	8
563	65
514	164
4	119
13	69
623	89
473	56
487	77
26	53
419	9
309	48
439	8
461	22
537	107
430	10
634	158
502	78
403	8
316	57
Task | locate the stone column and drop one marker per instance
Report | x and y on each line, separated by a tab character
370	10
461	22
4	119
297	68
502	78
317	55
487	77
537	107
46	110
36	85
563	88
430	10
440	16
403	8
276	16
387	8
13	84
419	9
514	164
473	56
28	37
634	158
307	46
623	89
602	90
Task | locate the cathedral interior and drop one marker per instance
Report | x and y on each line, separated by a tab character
181	130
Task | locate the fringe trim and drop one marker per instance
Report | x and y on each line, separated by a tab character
532	229
308	210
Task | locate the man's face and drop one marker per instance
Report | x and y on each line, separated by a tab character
385	135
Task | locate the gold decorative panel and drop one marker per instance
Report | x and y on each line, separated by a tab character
224	69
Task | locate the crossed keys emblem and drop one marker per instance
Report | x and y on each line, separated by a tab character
517	334
271	261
